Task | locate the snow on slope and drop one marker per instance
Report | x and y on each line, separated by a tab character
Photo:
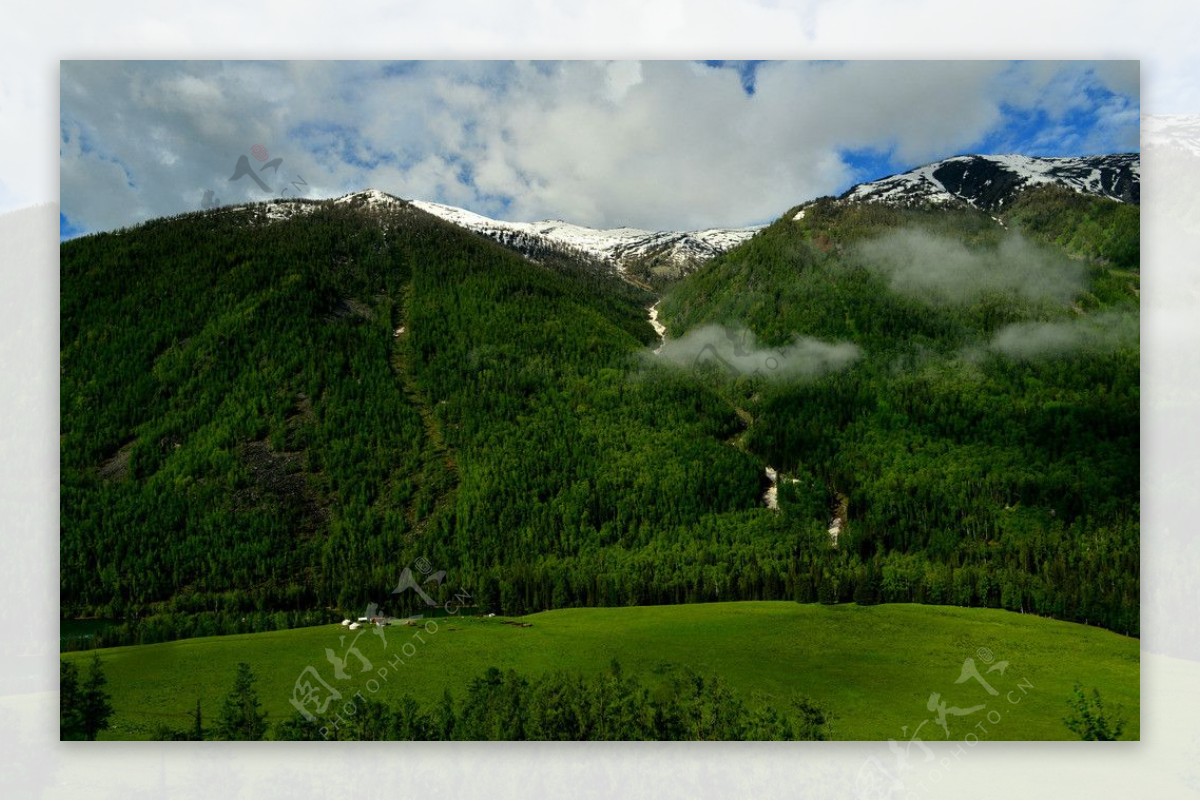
369	197
616	246
989	182
286	208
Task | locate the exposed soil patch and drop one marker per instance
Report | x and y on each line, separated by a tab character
116	467
278	481
349	307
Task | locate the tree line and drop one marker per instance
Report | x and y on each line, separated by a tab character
506	705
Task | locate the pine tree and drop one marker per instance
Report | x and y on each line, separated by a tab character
445	721
298	727
197	723
96	705
241	718
70	702
1088	719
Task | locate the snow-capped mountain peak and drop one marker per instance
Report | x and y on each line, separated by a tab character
369	197
675	252
618	247
285	208
990	182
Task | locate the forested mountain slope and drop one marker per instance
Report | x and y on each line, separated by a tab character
983	445
266	417
277	416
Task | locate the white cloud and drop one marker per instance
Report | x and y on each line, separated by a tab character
736	352
659	144
623	76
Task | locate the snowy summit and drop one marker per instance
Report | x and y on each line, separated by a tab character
990	182
617	247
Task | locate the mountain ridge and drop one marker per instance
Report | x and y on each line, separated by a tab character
621	248
990	182
986	182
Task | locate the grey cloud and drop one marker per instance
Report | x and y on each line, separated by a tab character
736	352
939	269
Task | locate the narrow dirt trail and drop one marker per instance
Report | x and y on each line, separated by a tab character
425	409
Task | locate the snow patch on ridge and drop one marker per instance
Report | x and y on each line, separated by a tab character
369	197
616	246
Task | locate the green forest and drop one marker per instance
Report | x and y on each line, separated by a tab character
265	422
506	705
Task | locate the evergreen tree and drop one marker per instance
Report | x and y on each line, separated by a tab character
70	702
97	709
444	718
298	727
165	732
1087	718
197	723
241	718
811	722
409	722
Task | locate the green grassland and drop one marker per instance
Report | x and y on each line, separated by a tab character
873	667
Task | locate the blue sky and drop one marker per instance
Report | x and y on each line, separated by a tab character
659	144
747	71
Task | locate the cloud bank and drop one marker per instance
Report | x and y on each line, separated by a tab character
660	144
940	269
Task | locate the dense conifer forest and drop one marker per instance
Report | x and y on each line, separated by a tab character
264	422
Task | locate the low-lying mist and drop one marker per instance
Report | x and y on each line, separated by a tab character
940	269
1105	331
737	352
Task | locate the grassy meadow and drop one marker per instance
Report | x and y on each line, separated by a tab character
873	667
